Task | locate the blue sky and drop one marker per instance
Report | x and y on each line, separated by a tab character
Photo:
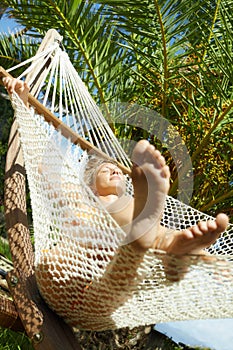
7	24
216	334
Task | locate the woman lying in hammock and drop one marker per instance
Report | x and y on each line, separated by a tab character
140	216
87	285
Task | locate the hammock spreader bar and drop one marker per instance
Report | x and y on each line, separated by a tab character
66	131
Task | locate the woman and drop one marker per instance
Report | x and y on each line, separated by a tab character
140	216
88	301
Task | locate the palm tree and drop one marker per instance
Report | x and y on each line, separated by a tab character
183	69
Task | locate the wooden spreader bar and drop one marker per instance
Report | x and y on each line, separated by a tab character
66	131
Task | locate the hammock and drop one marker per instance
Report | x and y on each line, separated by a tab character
83	271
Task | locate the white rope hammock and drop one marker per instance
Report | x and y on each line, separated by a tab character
83	271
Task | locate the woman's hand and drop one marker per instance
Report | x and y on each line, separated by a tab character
20	87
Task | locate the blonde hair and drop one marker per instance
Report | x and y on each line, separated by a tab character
92	167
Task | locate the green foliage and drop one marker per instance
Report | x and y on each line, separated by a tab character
10	340
183	70
15	48
4	248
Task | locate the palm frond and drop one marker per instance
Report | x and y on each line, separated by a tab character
15	48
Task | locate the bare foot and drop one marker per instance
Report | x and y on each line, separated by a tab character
194	239
151	177
190	241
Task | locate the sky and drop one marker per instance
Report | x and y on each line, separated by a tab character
215	334
7	24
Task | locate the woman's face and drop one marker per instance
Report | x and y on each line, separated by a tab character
109	180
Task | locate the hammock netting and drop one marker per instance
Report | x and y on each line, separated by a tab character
84	271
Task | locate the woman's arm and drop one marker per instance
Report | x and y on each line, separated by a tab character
20	87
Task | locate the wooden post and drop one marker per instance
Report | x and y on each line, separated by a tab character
44	328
